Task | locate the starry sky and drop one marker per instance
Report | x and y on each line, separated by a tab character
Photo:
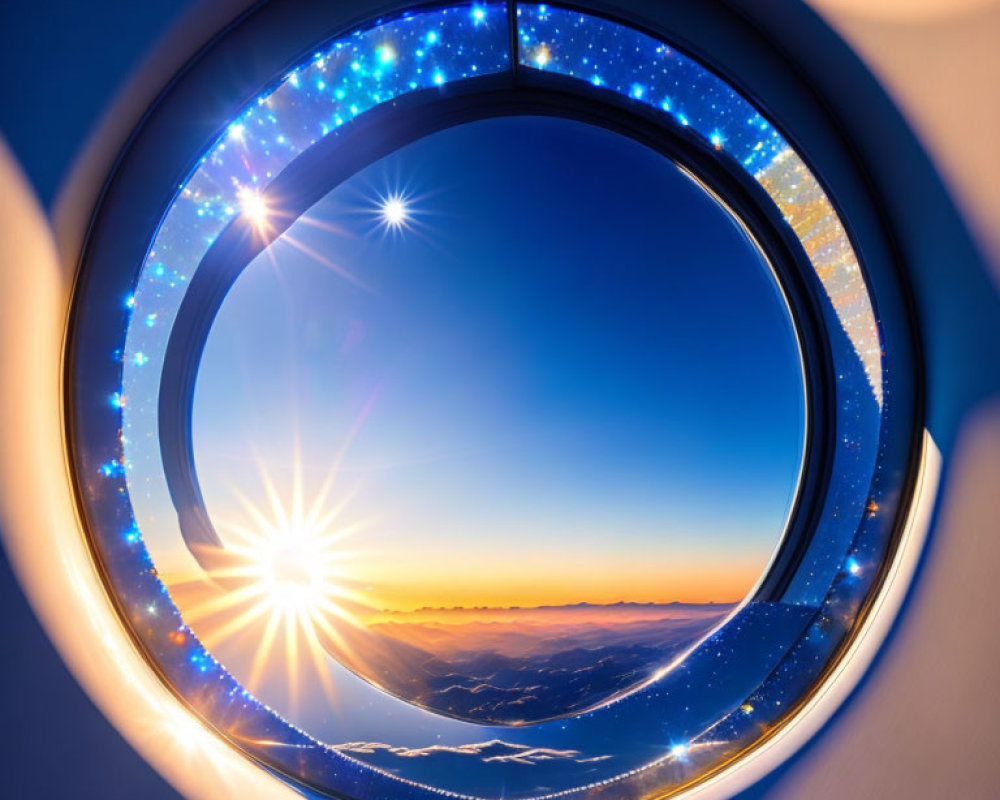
549	385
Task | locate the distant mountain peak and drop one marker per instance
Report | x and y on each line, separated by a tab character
551	607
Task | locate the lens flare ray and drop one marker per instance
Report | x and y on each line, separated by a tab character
283	577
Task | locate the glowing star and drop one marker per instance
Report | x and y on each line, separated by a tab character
542	56
254	208
679	751
394	211
478	14
386	54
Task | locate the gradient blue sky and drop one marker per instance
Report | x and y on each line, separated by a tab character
581	383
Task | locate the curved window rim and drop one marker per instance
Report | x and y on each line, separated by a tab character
900	333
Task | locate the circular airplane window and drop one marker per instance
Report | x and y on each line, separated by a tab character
496	404
482	400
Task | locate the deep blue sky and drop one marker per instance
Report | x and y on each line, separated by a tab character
578	379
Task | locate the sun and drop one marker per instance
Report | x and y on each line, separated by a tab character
293	571
284	578
290	573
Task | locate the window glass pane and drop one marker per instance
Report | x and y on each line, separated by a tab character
484	368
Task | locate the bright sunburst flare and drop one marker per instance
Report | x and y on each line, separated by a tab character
284	575
395	212
255	208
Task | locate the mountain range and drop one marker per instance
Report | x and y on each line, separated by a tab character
507	666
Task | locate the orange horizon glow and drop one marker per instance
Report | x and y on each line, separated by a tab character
472	593
471	577
534	586
443	567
